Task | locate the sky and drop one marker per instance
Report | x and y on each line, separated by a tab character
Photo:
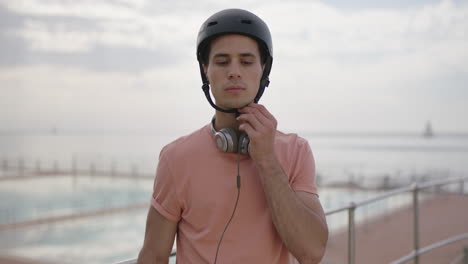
129	65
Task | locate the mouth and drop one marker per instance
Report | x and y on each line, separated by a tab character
234	89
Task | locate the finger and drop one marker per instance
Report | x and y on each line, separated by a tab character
254	111
259	109
251	119
247	128
262	109
264	117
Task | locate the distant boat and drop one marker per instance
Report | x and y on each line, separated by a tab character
428	132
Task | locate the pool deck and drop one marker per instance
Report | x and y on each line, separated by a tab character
74	216
17	260
390	237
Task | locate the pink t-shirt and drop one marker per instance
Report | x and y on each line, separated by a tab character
195	185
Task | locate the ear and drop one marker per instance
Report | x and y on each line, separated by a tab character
205	69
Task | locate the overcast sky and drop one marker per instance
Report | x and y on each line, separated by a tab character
130	65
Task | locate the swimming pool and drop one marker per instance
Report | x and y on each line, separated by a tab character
109	237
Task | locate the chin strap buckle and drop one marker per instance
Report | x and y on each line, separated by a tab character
205	87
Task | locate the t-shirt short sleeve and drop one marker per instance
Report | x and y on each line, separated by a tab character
165	198
304	169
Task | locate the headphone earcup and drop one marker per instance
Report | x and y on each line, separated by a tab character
226	140
244	144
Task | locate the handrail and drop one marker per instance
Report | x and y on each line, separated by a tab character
461	257
130	261
370	200
415	188
430	247
419	186
457	259
441	182
134	261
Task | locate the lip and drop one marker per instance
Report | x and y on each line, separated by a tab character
234	89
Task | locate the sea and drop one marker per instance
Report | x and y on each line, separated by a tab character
372	162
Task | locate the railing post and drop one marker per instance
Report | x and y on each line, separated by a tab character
74	171
416	222
112	170
92	169
21	166
38	166
5	164
134	171
56	167
465	257
73	168
351	234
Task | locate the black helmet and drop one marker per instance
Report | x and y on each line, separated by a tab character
235	21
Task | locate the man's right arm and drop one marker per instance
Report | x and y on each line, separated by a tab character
159	239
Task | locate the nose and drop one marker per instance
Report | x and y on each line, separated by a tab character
234	71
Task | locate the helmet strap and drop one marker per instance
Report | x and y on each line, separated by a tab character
206	90
265	81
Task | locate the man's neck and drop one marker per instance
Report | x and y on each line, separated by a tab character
224	120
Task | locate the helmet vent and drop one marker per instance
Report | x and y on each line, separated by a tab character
245	21
212	23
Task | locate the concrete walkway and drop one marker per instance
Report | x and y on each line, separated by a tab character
390	237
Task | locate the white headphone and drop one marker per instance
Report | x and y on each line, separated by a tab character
227	141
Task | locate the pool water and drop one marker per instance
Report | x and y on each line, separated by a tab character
112	237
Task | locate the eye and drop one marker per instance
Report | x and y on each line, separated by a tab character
247	62
222	62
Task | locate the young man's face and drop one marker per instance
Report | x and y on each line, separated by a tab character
234	70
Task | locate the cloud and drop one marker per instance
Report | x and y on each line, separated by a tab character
312	27
371	47
70	41
47	26
331	64
319	29
85	8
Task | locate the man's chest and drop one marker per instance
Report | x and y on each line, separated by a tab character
210	193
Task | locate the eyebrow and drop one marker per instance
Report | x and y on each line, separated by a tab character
246	54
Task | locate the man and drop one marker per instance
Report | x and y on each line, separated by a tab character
236	190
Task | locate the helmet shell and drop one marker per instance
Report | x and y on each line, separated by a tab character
234	21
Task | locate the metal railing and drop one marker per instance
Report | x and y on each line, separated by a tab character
134	261
18	170
21	168
462	257
423	250
415	188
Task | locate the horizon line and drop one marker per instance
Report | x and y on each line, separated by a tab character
300	132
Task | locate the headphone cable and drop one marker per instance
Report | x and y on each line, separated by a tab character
235	206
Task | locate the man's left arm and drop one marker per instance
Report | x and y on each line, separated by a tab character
298	216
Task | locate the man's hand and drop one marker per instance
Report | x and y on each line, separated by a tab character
298	217
260	126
